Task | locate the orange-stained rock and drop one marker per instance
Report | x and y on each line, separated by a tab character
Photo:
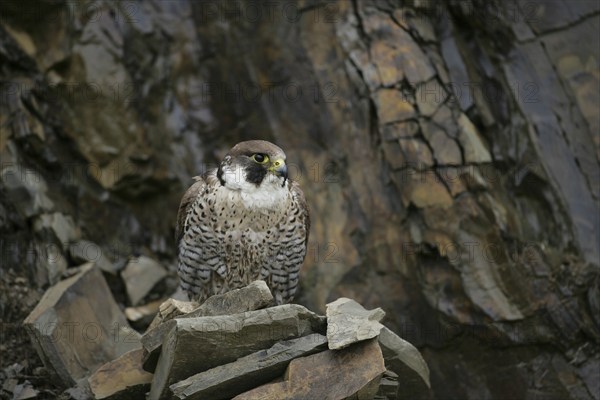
334	375
123	378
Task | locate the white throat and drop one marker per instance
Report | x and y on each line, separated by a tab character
269	194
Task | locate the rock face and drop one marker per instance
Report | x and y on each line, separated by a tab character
448	152
72	333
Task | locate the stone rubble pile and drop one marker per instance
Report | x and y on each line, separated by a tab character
237	345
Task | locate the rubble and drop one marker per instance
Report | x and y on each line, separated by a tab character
230	346
197	344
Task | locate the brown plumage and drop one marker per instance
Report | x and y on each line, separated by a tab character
240	222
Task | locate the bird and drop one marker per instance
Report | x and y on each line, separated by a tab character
243	221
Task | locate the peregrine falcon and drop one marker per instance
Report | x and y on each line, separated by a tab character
240	222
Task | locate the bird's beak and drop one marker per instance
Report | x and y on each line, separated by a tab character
279	168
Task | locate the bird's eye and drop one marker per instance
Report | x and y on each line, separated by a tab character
260	158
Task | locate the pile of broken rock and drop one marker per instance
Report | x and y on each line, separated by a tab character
235	345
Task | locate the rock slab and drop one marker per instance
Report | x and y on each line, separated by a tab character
406	361
77	326
349	322
121	379
249	298
140	276
229	380
353	372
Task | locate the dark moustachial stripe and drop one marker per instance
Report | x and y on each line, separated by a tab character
255	173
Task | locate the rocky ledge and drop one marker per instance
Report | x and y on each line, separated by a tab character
237	345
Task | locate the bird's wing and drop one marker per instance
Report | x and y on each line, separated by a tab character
299	196
186	202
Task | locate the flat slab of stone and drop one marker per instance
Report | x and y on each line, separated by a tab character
226	381
77	326
140	276
348	322
249	298
406	361
197	344
121	379
353	372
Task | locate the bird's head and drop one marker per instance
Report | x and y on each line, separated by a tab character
253	164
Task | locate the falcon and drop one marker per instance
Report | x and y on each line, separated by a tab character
240	222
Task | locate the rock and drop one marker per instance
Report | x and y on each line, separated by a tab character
399	130
122	378
249	298
61	225
197	344
143	314
172	308
140	276
388	386
348	322
72	334
24	391
416	153
473	147
84	251
424	191
392	106
387	62
405	360
429	96
445	149
26	189
252	297
226	381
353	372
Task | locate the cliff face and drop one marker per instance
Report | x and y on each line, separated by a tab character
449	154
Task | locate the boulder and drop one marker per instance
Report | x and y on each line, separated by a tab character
77	326
140	275
121	379
197	344
353	372
405	360
83	251
348	322
226	381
